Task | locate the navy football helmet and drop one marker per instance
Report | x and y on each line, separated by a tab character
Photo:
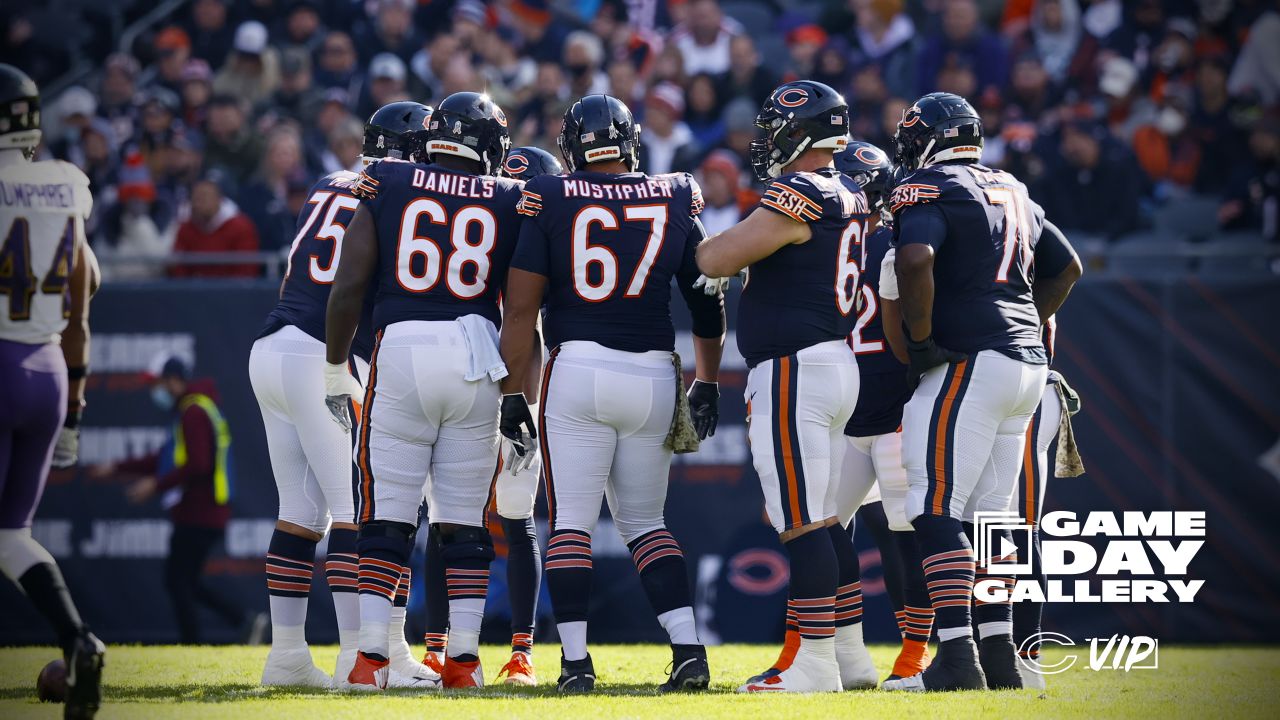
19	111
938	127
526	163
867	166
470	125
798	116
599	128
397	130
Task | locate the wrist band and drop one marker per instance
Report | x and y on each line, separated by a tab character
78	372
73	418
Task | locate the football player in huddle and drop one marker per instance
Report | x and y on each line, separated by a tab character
310	455
515	490
967	238
801	248
435	239
600	248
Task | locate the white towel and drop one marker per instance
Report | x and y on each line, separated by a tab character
482	343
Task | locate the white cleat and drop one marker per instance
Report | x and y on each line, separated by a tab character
293	668
1031	679
857	670
418	676
809	673
915	683
342	668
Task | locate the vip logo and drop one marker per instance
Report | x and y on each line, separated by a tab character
1120	652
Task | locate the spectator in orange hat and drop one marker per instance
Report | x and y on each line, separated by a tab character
720	176
137	224
1166	151
803	44
173	50
216	225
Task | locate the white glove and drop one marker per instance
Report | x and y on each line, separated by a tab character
711	286
339	387
513	461
67	451
888	289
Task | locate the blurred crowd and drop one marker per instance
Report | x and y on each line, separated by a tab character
207	134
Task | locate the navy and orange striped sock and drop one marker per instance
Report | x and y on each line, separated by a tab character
467	553
665	577
384	550
814	578
568	574
342	572
849	587
290	566
948	573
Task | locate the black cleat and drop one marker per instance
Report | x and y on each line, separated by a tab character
84	677
689	669
576	676
999	661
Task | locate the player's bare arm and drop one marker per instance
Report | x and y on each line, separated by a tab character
922	229
758	236
75	350
914	267
517	344
891	322
1050	289
342	316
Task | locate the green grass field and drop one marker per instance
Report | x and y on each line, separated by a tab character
221	682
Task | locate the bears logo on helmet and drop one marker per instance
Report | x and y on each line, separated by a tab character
516	164
792	97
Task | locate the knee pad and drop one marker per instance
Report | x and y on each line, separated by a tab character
386	537
19	552
466	545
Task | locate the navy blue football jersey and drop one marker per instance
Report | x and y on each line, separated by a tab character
883	390
982	270
313	263
445	239
805	294
609	246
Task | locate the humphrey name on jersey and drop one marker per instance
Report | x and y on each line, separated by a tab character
37	195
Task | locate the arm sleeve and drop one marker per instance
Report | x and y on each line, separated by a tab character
1053	253
707	311
924	224
197	431
888	289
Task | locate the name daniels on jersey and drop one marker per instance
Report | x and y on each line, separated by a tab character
651	188
56	195
470	186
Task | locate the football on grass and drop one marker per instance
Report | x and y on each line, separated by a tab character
51	686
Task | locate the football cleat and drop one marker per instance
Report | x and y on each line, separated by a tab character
423	678
999	660
912	659
84	677
434	661
1030	678
857	670
689	669
576	676
460	673
292	667
790	644
808	673
955	668
367	675
518	670
342	668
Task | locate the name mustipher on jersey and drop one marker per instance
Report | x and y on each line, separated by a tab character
647	190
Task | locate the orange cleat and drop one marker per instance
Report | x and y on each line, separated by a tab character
459	674
518	670
367	675
435	661
913	658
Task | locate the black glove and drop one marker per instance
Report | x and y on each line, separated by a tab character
704	405
925	355
515	413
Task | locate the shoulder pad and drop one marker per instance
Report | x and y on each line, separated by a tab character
917	188
531	195
795	196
